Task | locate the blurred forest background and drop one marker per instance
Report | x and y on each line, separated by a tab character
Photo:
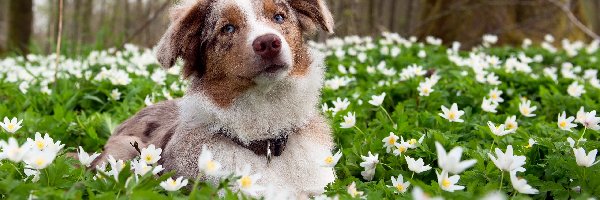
31	26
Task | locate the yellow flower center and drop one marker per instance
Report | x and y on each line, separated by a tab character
246	182
525	110
412	141
392	140
400	187
426	90
329	160
510	126
10	127
402	149
173	183
211	166
39	161
148	158
494	96
563	124
40	144
452	116
446	183
528	146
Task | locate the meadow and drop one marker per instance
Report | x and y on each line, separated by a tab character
411	120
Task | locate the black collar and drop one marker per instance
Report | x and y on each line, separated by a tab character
267	147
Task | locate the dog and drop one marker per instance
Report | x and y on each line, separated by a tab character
254	87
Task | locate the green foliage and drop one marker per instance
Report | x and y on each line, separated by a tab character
81	112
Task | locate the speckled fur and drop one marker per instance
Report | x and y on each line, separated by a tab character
227	91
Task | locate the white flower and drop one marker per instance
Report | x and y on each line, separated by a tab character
115	166
489	39
451	161
12	125
496	95
581	114
140	167
149	100
85	158
247	182
571	142
452	115
497	130
150	154
173	185
399	184
530	143
368	164
325	108
419	194
206	164
389	142
425	88
401	147
492	79
349	120
416	166
34	173
521	184
565	123
353	191
488	105
331	160
422	54
39	159
511	124
575	90
377	100
584	160
412	143
340	105
12	151
115	94
506	161
526	109
497	195
590	120
44	144
448	183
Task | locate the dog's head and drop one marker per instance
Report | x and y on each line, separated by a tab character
230	46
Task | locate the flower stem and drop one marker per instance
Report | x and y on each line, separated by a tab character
581	136
360	130
17	169
492	147
501	180
389	117
411	176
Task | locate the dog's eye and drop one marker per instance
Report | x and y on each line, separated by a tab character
228	28
279	18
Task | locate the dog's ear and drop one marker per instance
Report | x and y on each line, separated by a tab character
313	13
182	38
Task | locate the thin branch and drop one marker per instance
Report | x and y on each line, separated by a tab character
147	23
565	8
58	41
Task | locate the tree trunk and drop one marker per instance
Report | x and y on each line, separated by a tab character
20	21
467	20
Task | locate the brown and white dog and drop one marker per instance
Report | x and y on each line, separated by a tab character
254	90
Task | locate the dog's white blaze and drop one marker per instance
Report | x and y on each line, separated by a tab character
258	28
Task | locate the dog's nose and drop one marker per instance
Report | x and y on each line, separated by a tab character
267	46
